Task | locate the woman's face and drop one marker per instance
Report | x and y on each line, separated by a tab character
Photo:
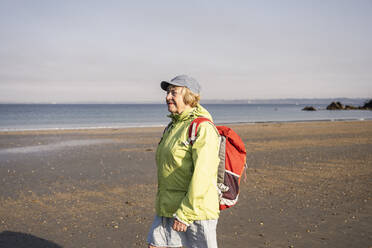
174	100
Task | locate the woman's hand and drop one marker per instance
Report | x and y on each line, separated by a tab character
179	226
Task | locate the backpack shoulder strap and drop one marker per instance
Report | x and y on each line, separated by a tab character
193	129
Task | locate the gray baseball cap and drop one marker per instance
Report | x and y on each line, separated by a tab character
183	80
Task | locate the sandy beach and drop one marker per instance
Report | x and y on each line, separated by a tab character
308	185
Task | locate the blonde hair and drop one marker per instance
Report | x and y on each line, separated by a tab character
190	98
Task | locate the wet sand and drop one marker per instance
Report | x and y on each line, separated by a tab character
308	185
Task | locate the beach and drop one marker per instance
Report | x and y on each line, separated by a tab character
308	184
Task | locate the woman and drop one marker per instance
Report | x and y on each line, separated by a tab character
187	207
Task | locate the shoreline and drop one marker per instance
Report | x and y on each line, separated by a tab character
111	128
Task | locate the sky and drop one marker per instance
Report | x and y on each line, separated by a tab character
56	51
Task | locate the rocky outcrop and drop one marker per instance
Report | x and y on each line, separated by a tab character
309	108
367	105
335	106
339	106
350	107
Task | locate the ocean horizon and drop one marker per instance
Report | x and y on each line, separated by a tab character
23	117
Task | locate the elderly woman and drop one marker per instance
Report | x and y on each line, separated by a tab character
187	207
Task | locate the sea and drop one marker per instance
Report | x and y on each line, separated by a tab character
21	117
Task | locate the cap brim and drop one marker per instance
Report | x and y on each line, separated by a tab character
164	85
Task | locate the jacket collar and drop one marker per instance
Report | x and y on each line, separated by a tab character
183	116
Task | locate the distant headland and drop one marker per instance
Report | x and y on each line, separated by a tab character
274	101
298	101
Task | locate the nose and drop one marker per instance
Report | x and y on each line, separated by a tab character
168	96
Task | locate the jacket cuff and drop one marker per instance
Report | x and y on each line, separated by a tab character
182	221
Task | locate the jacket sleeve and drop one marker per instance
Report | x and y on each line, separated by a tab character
205	159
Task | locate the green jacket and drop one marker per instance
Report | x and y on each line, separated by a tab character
187	174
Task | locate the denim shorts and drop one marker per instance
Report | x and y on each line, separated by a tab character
200	234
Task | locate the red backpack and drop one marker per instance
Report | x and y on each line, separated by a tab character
232	162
